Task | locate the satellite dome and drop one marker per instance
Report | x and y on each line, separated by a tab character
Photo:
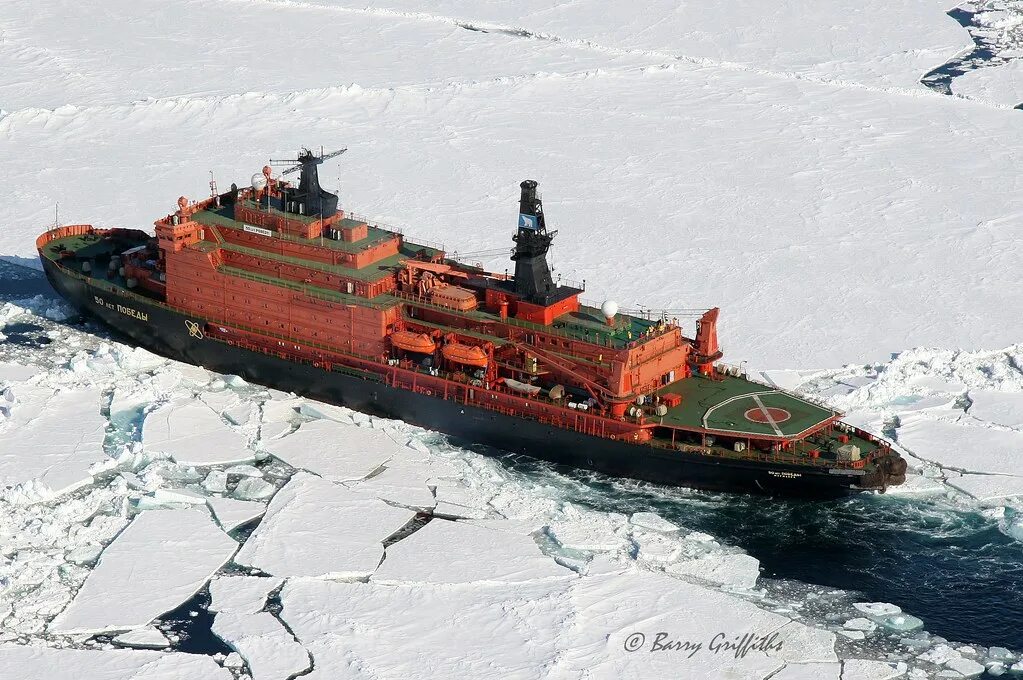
258	182
609	309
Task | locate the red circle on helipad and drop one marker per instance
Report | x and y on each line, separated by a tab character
757	415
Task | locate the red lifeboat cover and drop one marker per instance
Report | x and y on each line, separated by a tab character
413	342
465	354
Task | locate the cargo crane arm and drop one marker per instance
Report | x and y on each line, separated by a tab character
565	367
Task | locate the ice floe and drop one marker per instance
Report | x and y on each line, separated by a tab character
231	513
192	433
54	442
315	527
241	594
269	650
143	638
455	552
158	562
47	663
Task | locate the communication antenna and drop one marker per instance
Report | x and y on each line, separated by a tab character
56	215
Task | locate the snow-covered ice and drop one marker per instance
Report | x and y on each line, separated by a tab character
158	562
270	651
46	663
340	452
315	527
231	513
241	594
143	638
455	552
192	433
53	441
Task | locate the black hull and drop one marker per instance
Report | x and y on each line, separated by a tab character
165	331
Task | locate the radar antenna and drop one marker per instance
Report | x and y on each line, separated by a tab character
296	163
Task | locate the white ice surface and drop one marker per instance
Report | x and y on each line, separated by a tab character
44	663
142	638
270	651
315	527
336	451
55	443
192	433
231	513
1001	84
572	626
158	562
456	552
241	594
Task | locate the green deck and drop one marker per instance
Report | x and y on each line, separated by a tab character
723	404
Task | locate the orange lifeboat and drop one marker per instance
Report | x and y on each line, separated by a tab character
413	342
467	355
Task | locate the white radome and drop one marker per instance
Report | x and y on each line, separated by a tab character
258	181
609	309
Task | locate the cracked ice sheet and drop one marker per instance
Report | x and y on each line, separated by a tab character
162	559
445	551
898	175
966	446
1000	84
560	628
271	652
333	450
56	443
45	663
192	433
314	527
50	67
879	43
241	594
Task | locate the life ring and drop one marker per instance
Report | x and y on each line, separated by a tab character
613	437
429	393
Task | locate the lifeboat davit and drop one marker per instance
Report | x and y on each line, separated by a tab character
467	355
413	342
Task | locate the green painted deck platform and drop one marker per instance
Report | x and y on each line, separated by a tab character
738	406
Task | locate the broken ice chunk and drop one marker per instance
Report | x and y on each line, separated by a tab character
231	513
453	552
270	651
253	489
192	433
653	522
335	451
314	527
143	638
162	559
241	594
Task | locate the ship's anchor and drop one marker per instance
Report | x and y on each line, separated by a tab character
193	329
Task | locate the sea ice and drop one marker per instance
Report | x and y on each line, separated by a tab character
55	442
809	671
143	638
158	562
445	551
192	433
22	662
231	513
270	651
868	669
10	372
333	450
314	527
653	522
241	594
253	489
